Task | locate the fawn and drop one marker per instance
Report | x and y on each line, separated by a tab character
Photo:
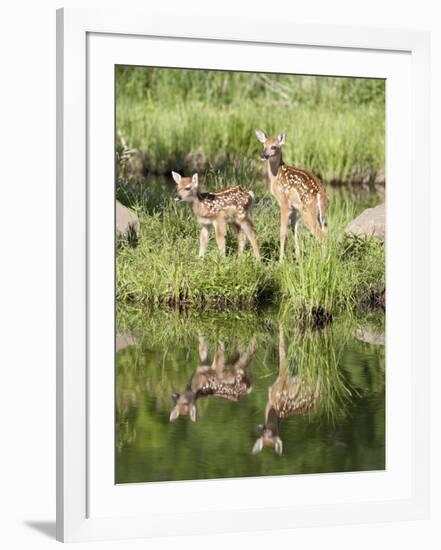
219	208
296	191
230	381
288	396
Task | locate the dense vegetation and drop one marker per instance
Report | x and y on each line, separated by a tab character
189	120
164	269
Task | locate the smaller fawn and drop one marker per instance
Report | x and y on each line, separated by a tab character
229	206
230	381
296	191
288	396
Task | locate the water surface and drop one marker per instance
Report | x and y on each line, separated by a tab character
336	421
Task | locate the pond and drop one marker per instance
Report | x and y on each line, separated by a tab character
235	394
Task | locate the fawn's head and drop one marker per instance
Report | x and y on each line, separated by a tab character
185	405
186	188
272	146
268	439
269	434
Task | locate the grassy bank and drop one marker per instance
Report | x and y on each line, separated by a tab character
189	120
164	269
197	120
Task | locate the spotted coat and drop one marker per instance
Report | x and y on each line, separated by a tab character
233	201
290	396
305	184
232	385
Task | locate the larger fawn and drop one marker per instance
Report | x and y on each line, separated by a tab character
289	395
296	191
230	381
229	206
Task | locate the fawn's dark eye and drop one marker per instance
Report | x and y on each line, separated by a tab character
273	147
188	188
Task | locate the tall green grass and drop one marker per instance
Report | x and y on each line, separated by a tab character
164	270
188	119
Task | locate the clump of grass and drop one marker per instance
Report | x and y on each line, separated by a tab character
164	270
323	278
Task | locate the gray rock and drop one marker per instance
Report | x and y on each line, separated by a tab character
370	335
127	223
123	341
370	223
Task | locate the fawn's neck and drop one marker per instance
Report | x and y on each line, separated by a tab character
272	421
274	163
196	205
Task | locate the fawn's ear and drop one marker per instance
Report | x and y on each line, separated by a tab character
174	414
281	138
193	412
258	446
278	447
175	396
195	180
176	177
261	136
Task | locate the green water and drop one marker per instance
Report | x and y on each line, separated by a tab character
342	430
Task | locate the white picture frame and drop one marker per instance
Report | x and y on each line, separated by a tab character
81	332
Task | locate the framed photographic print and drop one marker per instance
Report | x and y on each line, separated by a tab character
235	203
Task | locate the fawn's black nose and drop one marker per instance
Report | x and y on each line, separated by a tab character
264	156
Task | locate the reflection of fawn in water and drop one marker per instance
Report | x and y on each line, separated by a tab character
289	395
231	381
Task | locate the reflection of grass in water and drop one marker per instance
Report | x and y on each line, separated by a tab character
157	328
165	355
165	352
162	359
315	357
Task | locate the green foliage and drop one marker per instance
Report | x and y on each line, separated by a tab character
184	119
164	269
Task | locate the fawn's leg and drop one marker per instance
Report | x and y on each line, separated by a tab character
310	221
241	238
244	359
203	240
247	227
324	232
203	350
294	224
219	228
219	360
284	216
282	352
